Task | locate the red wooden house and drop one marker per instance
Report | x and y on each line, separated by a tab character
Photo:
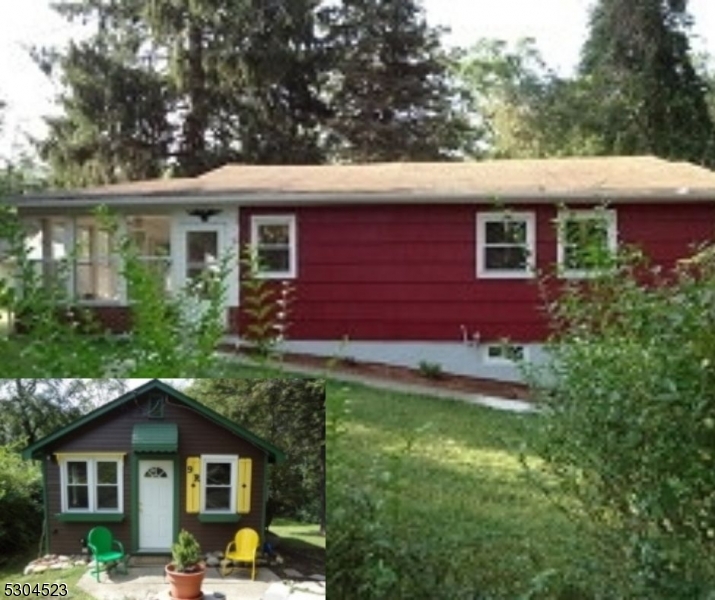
409	262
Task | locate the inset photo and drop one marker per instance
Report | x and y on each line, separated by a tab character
149	486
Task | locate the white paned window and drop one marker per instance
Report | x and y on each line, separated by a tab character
587	241
273	238
219	483
151	235
92	484
48	244
506	245
96	266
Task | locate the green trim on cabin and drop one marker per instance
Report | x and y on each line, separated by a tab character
264	504
134	503
46	508
223	518
155	437
134	498
90	517
274	454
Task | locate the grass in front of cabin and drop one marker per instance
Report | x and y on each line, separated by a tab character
450	470
298	534
12	573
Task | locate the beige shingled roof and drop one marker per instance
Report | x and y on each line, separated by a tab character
533	179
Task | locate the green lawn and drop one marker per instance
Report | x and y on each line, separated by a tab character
297	534
11	572
462	476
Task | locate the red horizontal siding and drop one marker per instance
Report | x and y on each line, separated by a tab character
421	292
667	232
401	272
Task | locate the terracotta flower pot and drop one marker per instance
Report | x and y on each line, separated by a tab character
185	586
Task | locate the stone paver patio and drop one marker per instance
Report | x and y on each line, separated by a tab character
147	583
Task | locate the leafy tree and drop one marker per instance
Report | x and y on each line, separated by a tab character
524	108
646	94
21	173
33	408
290	413
506	86
20	503
628	424
390	91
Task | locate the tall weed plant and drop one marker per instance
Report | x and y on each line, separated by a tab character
266	307
628	424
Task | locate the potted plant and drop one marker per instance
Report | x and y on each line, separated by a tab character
186	571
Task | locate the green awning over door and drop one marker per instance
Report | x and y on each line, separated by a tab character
155	437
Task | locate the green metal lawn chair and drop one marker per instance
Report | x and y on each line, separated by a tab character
105	549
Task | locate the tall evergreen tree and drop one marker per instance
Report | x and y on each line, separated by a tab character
185	87
277	94
647	96
115	124
391	96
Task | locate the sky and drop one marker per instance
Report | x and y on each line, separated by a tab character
558	26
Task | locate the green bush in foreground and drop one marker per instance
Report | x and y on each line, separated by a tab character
20	503
628	425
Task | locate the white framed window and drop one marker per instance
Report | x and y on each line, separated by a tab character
505	353
219	483
506	245
274	239
92	484
587	240
48	242
96	265
77	253
151	235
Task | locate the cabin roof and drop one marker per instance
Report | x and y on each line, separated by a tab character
608	178
36	450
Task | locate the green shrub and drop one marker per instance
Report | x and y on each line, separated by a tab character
430	370
20	503
186	552
628	424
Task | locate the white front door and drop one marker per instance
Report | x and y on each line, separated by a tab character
156	504
200	251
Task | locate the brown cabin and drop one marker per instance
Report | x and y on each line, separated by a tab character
148	464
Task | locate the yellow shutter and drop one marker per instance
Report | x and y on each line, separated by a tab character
244	485
193	484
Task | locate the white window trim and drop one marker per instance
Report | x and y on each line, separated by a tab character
229	458
502	360
113	260
608	215
92	460
489	217
256	222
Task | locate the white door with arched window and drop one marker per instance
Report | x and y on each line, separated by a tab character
156	504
